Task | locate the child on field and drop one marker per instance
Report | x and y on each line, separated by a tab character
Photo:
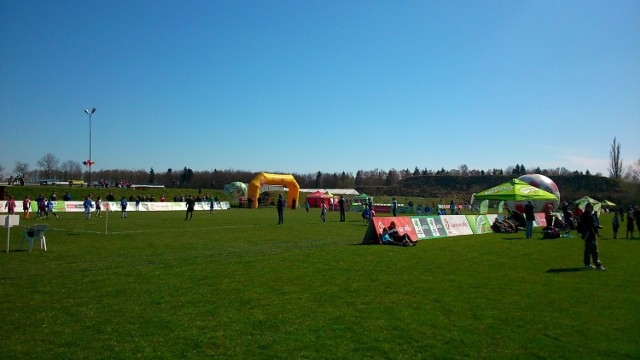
88	204
323	212
386	240
99	206
50	209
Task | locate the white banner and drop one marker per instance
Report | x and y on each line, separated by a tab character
456	225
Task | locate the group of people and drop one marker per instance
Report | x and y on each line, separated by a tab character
632	216
588	227
391	236
44	207
324	208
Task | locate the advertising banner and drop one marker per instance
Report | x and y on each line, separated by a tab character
74	206
403	224
456	225
428	227
480	224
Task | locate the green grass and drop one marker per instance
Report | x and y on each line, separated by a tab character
236	285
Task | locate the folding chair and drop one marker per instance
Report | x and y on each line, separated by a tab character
35	232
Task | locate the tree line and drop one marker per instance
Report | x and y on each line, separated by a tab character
50	167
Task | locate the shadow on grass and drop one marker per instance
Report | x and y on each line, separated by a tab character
563	270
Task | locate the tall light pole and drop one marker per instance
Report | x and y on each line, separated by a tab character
90	113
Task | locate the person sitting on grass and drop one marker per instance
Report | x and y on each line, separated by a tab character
386	240
396	237
504	226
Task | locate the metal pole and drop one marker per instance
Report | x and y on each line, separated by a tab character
90	113
90	150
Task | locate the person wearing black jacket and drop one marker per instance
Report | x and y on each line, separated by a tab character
529	218
280	206
191	204
341	204
589	231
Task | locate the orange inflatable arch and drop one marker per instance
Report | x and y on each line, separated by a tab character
285	180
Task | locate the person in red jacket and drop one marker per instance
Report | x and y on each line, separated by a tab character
10	205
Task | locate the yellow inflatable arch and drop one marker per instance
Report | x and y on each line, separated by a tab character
275	179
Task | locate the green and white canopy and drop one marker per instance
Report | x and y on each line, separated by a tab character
515	190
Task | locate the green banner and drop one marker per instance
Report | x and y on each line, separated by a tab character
479	224
484	207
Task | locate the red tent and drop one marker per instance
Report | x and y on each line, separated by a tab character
317	198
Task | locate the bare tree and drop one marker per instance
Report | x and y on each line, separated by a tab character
21	169
464	169
615	162
71	170
49	164
633	172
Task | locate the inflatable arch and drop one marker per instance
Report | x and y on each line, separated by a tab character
275	179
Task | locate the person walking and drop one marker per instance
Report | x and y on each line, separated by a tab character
615	223
191	204
51	209
589	229
11	206
529	217
26	207
630	223
280	207
341	204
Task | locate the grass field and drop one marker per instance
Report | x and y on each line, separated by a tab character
236	285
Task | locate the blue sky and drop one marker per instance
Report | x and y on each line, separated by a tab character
331	86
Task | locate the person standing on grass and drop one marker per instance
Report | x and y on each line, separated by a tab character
26	207
615	224
529	217
99	206
123	207
589	231
88	204
323	212
10	205
394	206
636	212
191	204
307	206
341	205
40	206
630	223
280	205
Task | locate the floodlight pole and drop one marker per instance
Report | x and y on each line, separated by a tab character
90	113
